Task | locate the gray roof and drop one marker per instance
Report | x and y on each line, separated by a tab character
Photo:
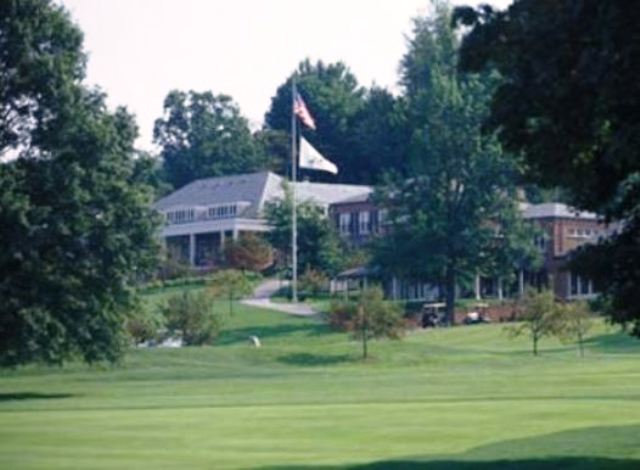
554	210
325	194
255	189
220	190
365	197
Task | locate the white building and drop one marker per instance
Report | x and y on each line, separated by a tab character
200	216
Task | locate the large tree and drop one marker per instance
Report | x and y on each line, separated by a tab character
381	136
459	201
334	98
40	55
570	102
76	228
203	135
319	245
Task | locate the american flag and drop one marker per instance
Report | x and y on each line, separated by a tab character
300	110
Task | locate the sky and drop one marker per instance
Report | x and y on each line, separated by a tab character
139	50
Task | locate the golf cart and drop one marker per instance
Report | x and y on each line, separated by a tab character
432	314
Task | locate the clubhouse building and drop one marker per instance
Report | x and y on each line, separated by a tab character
202	215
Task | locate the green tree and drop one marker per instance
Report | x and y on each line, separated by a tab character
76	228
334	98
381	137
575	321
192	316
460	200
371	317
569	102
250	252
539	317
41	57
203	135
145	324
313	282
78	232
319	246
231	285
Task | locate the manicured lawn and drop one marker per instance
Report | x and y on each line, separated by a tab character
468	397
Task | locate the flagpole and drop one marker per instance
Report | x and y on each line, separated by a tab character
294	221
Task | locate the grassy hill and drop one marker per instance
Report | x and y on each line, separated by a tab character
467	397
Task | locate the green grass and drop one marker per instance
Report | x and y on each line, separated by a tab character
467	397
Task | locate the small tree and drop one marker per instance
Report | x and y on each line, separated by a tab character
538	317
230	284
313	282
250	252
144	324
574	322
375	318
319	245
192	315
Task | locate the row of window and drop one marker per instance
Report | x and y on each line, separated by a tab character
222	212
580	286
362	222
183	216
583	232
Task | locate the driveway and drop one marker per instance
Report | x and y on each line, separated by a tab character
261	298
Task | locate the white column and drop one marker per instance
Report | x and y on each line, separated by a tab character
500	293
222	239
477	287
235	234
192	249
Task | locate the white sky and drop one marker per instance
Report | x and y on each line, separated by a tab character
139	50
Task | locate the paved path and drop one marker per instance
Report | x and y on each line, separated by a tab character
262	299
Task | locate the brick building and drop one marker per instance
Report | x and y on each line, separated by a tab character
562	231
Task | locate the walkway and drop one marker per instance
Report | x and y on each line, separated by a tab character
262	299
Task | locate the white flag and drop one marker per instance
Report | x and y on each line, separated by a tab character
312	159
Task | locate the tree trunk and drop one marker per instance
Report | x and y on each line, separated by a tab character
364	327
230	304
450	286
364	344
580	345
535	345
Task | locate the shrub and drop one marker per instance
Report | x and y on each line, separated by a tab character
191	315
230	285
144	324
313	282
341	314
250	252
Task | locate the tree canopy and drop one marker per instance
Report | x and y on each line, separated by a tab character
362	130
569	100
319	246
76	228
204	135
41	55
334	97
457	210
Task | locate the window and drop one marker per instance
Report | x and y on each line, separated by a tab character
222	212
581	232
181	216
579	286
363	222
541	241
345	222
